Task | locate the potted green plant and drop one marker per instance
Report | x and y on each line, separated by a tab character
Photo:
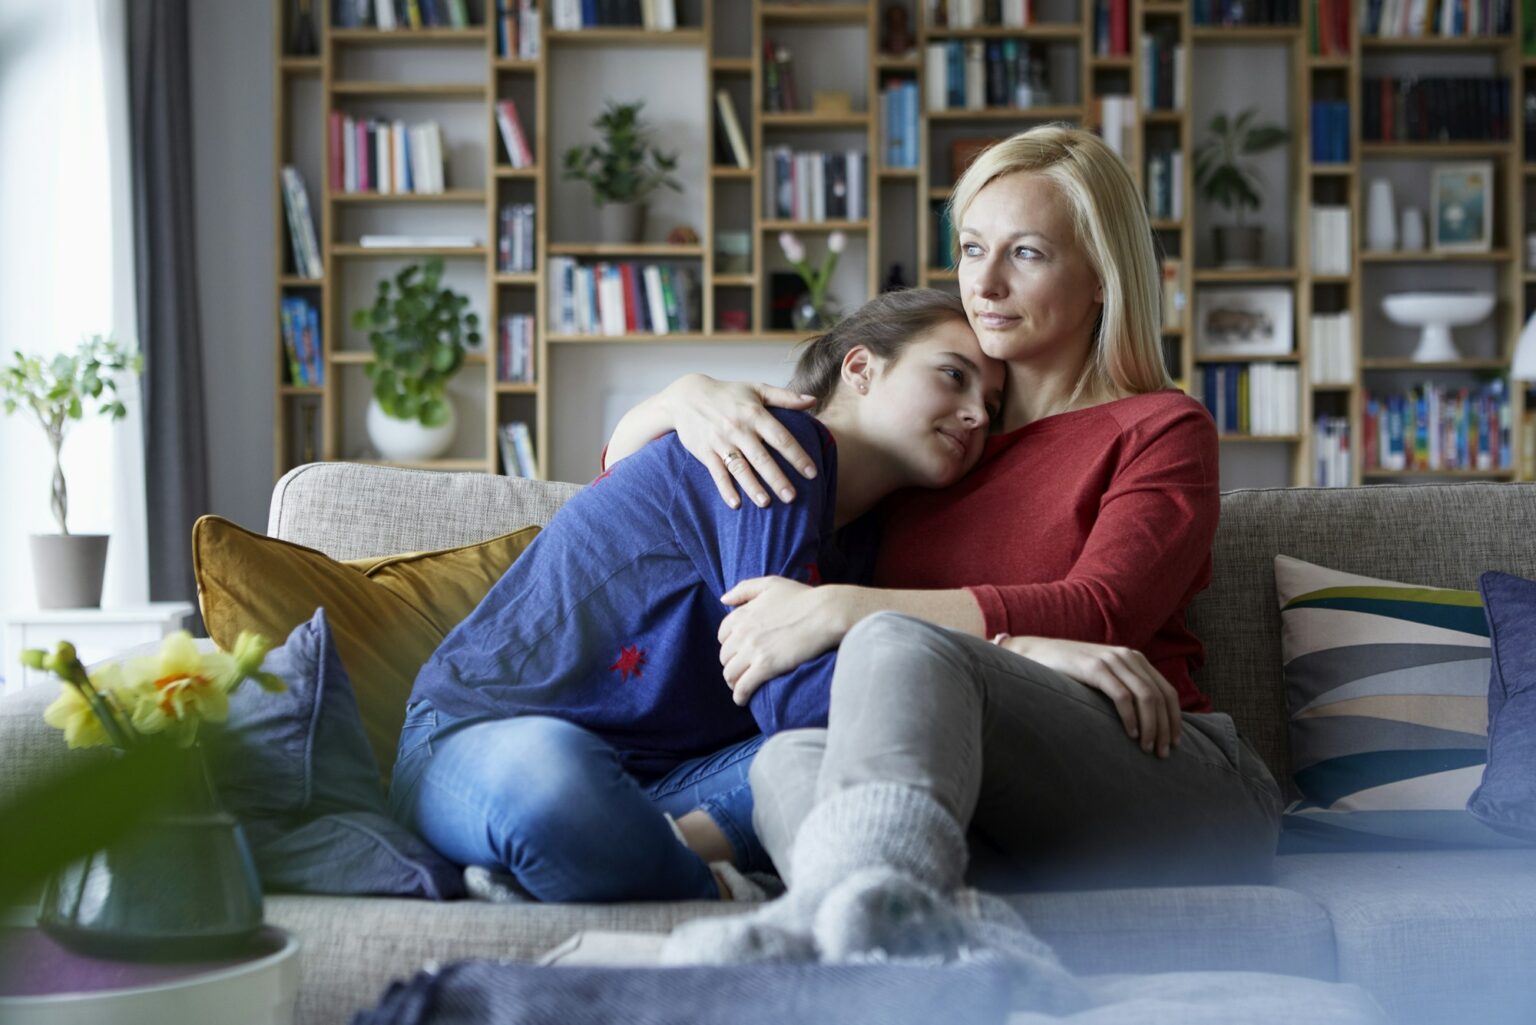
622	168
1227	176
68	568
419	332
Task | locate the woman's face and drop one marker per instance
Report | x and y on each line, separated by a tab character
1026	282
930	408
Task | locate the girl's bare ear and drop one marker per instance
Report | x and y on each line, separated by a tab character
858	368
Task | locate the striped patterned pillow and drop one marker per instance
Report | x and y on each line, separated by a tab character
1388	691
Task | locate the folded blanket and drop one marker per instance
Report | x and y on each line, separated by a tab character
491	993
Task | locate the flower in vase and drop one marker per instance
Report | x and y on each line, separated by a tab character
172	691
817	280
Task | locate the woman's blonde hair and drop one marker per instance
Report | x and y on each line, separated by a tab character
1112	227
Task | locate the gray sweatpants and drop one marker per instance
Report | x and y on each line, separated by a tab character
1056	794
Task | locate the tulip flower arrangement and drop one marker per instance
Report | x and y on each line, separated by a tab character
816	281
171	692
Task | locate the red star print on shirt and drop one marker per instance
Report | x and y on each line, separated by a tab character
631	658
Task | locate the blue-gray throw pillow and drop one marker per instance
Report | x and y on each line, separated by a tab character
297	770
1506	798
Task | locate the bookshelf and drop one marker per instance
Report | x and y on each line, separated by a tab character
456	75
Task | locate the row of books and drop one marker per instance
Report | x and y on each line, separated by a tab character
517	29
621	298
1332	247
652	15
515	237
813	185
1333	348
403	14
515	349
1399	18
301	341
1436	428
1246	12
1330	132
1435	109
981	13
1328	28
899	129
1165	179
1331	454
1116	118
975	75
515	143
1112	28
374	155
516	444
1256	398
1162	72
301	225
778	78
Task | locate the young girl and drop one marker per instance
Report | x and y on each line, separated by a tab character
580	703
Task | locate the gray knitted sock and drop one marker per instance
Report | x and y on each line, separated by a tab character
874	825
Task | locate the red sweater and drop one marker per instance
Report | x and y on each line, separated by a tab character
1093	525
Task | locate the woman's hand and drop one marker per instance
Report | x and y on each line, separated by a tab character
778	624
1147	703
727	427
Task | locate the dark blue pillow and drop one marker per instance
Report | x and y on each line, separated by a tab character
1506	799
296	769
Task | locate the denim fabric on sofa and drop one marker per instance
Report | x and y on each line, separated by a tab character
1437	936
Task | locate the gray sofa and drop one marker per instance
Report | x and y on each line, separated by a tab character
1436	936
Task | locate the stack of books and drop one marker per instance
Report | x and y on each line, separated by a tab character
1331	243
976	75
1438	428
981	13
1330	132
392	14
519	153
1111	28
1165	185
1332	348
517	29
1329	28
898	122
514	238
1399	18
1330	444
1162	72
1258	399
651	15
1413	109
515	349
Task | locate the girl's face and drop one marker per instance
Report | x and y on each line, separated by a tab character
1027	284
930	408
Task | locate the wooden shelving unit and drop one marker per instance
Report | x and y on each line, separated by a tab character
902	202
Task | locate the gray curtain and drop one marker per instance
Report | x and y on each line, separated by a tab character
170	332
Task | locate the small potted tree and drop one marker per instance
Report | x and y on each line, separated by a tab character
68	567
622	169
418	335
1226	175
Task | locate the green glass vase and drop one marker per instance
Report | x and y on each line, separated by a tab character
180	886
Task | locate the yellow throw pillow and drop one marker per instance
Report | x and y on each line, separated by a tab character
387	614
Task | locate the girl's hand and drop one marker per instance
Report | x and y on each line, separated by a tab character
1147	703
727	427
778	624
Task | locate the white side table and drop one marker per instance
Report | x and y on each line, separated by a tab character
95	633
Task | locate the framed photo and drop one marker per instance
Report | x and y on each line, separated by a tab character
1244	322
1463	207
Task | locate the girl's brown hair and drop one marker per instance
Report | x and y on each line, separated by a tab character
885	326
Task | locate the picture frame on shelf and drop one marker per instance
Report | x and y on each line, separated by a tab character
1462	205
1244	321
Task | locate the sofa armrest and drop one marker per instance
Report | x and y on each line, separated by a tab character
30	749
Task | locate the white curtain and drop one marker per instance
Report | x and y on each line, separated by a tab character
66	270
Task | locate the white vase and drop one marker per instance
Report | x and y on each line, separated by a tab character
406	441
1380	219
1412	237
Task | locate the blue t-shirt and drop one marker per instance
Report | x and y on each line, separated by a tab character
610	618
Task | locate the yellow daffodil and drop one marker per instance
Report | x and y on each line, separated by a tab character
249	654
73	714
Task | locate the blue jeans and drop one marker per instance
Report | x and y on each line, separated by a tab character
548	802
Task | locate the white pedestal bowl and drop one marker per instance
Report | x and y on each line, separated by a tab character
1436	313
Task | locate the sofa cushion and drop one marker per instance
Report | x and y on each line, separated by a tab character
1506	798
1387	685
296	769
1437	936
387	613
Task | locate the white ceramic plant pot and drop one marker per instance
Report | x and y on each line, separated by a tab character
406	441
